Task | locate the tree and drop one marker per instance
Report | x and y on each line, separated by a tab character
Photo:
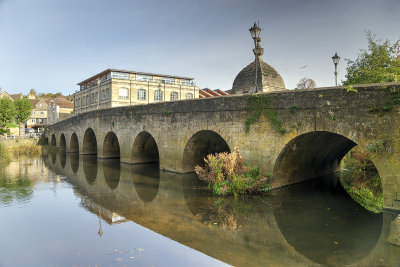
32	92
306	83
23	110
7	111
379	63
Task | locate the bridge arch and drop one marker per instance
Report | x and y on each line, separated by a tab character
199	146
111	146
74	144
311	155
145	149
89	163
53	140
89	142
63	143
112	172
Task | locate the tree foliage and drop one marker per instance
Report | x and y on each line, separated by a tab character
379	63
23	109
306	83
7	111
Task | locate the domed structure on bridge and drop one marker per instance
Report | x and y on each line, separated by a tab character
268	79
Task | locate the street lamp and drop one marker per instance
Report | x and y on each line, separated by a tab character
258	50
335	60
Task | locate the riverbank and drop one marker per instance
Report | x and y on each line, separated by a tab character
361	180
12	149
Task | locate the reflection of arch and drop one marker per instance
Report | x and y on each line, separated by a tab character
145	149
89	142
199	146
63	144
74	158
111	146
311	155
315	214
53	140
90	168
146	178
112	172
74	144
53	158
196	200
63	159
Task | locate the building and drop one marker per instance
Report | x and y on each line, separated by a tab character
38	118
114	88
59	109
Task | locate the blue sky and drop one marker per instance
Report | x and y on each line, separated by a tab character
51	45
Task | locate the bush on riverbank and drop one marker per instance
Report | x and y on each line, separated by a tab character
13	149
228	174
361	180
4	157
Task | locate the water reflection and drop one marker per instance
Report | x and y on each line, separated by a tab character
146	180
322	222
302	225
90	167
74	159
63	158
112	172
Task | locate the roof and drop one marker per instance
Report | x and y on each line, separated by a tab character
136	72
61	102
16	96
268	79
207	92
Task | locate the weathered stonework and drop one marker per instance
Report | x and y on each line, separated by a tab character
323	125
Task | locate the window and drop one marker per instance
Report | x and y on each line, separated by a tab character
141	95
189	95
167	80
88	99
108	76
82	87
33	120
144	78
158	95
186	82
41	112
40	121
33	112
108	93
120	75
174	96
123	93
103	95
96	97
41	105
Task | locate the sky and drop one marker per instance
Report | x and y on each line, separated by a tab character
51	45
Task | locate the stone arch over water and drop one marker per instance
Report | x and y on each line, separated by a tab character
311	155
145	149
63	143
74	144
89	142
199	146
111	146
53	141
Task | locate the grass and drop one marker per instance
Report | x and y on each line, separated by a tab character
14	149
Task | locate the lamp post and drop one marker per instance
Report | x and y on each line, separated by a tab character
335	60
258	50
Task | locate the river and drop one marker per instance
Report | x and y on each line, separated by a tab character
75	210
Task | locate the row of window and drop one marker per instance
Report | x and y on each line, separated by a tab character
158	94
139	77
124	94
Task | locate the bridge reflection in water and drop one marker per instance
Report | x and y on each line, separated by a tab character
311	223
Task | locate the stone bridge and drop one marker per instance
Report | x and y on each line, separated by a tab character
322	125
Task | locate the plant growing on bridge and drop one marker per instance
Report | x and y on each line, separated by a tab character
258	105
228	174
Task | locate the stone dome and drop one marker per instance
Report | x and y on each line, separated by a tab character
268	79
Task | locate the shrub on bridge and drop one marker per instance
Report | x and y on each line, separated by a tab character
228	174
